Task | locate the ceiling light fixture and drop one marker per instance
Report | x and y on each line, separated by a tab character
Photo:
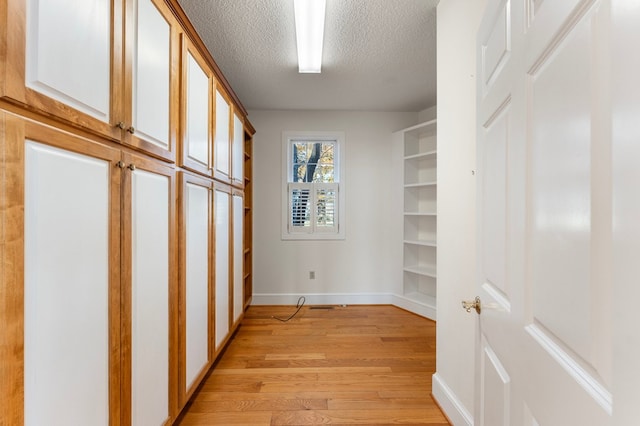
309	15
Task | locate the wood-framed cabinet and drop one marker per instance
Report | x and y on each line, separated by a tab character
123	212
248	214
197	99
65	300
223	120
99	277
114	77
149	273
196	293
237	151
237	255
223	264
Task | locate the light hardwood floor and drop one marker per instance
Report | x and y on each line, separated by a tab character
347	365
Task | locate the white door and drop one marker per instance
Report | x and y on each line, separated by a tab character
221	155
197	216
151	210
547	277
68	52
67	283
237	151
238	256
222	219
151	75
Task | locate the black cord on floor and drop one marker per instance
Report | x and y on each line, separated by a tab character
299	306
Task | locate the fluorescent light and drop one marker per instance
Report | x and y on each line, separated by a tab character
309	16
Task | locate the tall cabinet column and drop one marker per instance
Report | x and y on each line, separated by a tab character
118	286
417	146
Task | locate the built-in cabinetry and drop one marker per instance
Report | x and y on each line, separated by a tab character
248	214
125	158
106	67
418	149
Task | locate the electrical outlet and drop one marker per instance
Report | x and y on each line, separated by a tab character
312	275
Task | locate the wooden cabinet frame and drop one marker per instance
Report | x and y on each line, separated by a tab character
16	131
13	88
146	164
27	113
185	160
12	78
183	180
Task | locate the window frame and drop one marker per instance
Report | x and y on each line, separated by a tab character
311	233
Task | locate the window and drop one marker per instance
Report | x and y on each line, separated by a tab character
313	195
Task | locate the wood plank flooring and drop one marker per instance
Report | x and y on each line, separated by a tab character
365	365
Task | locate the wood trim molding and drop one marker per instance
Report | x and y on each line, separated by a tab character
191	32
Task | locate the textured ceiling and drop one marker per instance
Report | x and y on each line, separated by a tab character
379	55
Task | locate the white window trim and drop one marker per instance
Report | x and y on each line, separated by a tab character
338	137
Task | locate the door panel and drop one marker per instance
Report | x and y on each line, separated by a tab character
238	256
151	79
495	383
237	155
561	192
149	307
544	189
149	299
82	80
496	46
66	287
570	206
222	206
496	142
71	301
197	86
197	224
222	141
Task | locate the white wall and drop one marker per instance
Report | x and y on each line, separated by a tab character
453	384
357	269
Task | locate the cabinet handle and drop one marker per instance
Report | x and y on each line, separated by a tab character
131	130
120	125
120	164
132	167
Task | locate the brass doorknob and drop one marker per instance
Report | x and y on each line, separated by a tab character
474	304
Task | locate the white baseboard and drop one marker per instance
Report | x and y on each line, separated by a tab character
323	299
417	307
450	404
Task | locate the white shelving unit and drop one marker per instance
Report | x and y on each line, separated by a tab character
419	217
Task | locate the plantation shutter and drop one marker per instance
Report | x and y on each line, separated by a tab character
313	207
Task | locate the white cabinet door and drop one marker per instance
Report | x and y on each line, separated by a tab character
196	152
151	215
197	204
237	151
68	53
222	142
238	256
151	69
222	210
67	267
